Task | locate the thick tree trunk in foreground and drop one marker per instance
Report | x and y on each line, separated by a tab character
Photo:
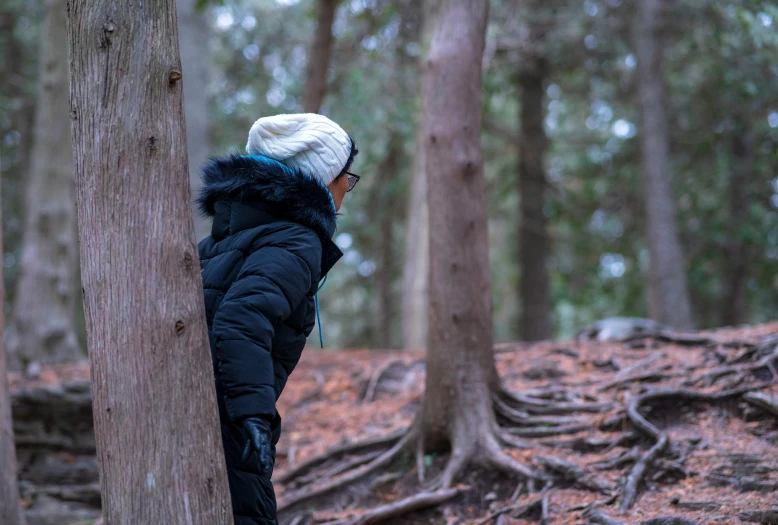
45	302
668	296
534	242
737	250
193	37
156	421
461	373
10	502
319	56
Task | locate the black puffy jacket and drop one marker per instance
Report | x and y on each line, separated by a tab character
269	247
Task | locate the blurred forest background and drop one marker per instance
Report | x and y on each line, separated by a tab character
567	201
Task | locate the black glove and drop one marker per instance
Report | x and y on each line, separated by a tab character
258	430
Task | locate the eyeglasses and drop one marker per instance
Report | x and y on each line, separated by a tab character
352	181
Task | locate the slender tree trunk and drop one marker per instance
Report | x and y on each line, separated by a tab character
10	501
534	242
384	246
193	33
737	250
45	301
156	421
460	364
668	296
319	56
415	300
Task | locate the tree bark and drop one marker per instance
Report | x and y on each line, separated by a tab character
319	56
736	253
415	299
667	289
193	33
45	302
534	241
461	372
154	403
10	502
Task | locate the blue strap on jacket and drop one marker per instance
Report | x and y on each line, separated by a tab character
318	312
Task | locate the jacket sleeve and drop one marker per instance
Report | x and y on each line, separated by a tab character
271	284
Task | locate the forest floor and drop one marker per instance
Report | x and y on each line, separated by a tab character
718	466
721	459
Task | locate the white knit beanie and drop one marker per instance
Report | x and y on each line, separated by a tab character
306	141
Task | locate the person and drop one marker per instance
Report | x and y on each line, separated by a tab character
274	215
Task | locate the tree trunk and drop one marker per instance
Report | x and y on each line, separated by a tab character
156	421
10	501
736	253
45	302
319	56
460	364
415	298
382	199
193	35
668	296
534	242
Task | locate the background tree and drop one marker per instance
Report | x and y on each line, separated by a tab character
461	375
667	293
10	500
45	305
415	296
319	56
193	34
159	448
534	240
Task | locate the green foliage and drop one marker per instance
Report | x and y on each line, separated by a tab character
721	76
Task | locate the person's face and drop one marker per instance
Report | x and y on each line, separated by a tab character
338	188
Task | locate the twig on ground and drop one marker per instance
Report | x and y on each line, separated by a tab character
544	510
376	377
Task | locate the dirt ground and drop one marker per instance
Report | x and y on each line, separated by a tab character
730	464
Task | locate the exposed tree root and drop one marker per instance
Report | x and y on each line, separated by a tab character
515	510
638	472
339	468
630	456
600	518
523	418
571	472
548	431
541	406
340	450
495	457
313	491
402	507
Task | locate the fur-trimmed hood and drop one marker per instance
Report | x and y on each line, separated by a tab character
292	194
